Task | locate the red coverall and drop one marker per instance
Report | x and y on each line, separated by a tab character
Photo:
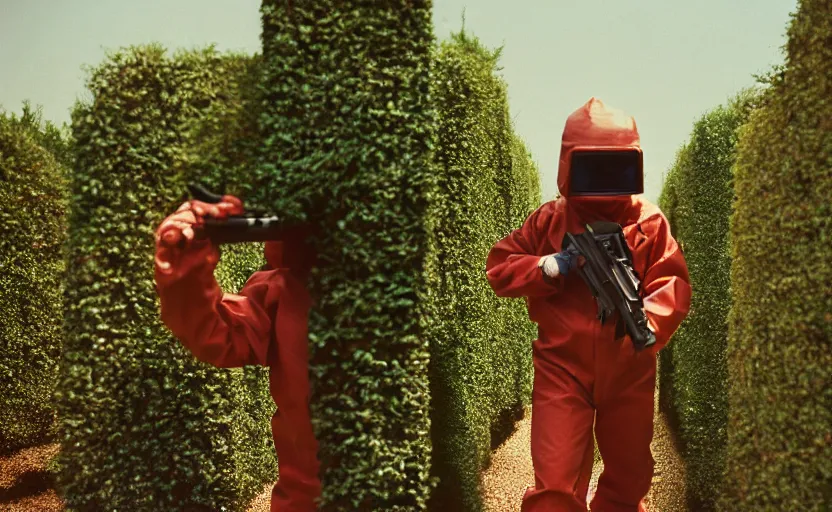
265	324
582	374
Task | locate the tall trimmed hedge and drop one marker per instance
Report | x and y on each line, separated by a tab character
526	194
33	204
480	344
700	195
222	154
669	204
349	133
525	197
779	455
145	425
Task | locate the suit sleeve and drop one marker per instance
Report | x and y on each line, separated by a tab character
512	264
667	290
222	329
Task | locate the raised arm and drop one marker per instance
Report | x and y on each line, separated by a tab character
222	329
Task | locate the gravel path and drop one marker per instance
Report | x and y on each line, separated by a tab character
22	488
511	471
24	484
261	502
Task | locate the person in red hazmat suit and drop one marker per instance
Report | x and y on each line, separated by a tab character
582	374
265	324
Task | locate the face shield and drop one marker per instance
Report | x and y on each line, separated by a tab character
605	172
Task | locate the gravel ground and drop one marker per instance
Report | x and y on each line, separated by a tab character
23	489
24	484
261	503
511	471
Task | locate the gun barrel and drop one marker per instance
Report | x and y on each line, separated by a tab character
241	229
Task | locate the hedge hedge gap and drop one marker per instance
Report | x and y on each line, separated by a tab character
481	344
698	198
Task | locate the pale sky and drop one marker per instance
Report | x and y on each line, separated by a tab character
666	62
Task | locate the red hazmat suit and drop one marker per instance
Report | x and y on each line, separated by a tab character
582	373
265	324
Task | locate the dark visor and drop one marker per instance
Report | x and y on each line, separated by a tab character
606	173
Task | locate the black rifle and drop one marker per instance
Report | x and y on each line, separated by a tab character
252	226
610	276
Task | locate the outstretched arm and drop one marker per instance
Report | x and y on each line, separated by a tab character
667	290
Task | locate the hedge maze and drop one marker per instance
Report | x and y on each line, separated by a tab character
400	151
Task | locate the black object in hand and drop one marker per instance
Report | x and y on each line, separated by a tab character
614	283
249	227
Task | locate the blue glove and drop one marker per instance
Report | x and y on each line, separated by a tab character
560	263
567	260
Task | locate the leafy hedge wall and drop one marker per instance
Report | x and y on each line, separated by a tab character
779	455
519	331
669	204
349	132
700	194
525	183
222	154
481	344
145	425
33	207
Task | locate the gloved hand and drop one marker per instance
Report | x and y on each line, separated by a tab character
560	263
176	250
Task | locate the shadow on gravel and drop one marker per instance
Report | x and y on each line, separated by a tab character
28	484
506	425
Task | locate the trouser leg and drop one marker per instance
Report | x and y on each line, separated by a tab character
624	431
562	444
298	486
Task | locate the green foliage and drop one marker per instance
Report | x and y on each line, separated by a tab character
669	204
525	183
480	344
56	140
33	205
145	425
698	199
349	129
253	406
519	331
779	455
222	154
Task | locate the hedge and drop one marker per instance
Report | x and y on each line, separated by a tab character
145	425
348	129
526	197
669	204
481	344
33	203
779	360
526	194
700	196
222	154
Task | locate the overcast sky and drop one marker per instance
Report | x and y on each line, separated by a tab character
666	62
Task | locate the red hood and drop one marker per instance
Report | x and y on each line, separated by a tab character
596	126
